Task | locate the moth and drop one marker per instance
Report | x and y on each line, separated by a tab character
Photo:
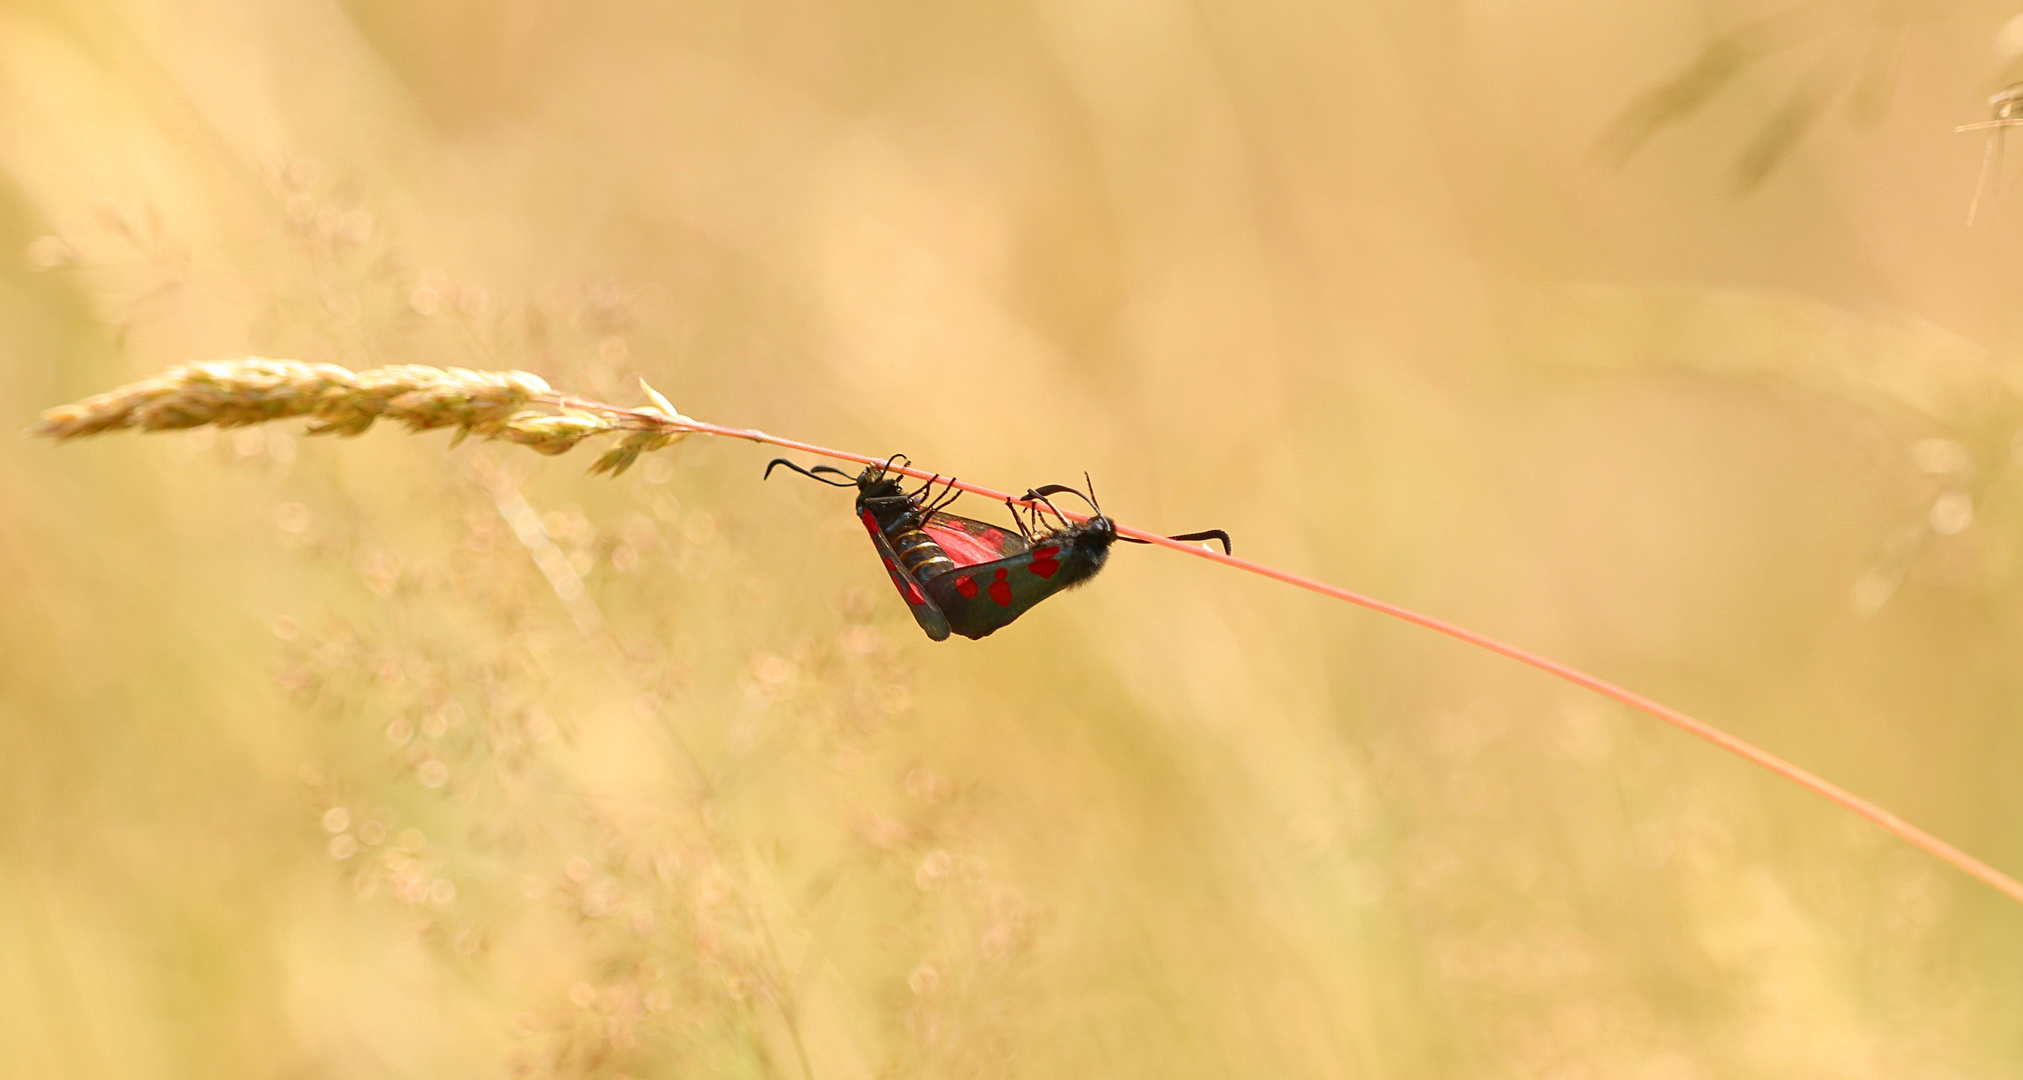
969	577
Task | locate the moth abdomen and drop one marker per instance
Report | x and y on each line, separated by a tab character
918	552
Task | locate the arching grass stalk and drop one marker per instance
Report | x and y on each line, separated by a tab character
520	407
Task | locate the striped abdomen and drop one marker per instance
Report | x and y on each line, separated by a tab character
917	551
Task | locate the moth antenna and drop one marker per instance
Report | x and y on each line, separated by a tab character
804	472
887	466
1208	534
1059	489
1040	494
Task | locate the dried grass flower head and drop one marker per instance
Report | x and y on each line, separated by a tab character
337	401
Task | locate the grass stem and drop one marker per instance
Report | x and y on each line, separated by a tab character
489	404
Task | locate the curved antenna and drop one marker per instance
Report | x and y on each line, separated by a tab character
810	474
1196	537
1039	494
888	465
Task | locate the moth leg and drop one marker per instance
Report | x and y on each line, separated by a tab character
1025	532
924	488
1049	504
948	495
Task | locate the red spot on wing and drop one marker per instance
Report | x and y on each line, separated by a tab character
1000	589
908	591
1044	562
870	522
966	586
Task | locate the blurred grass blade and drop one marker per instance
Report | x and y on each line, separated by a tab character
1786	127
1718	65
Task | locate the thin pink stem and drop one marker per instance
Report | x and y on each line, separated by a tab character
1910	833
2002	883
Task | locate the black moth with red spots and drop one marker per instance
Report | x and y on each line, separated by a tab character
966	576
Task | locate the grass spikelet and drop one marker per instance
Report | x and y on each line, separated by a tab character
424	398
620	458
337	401
225	394
551	435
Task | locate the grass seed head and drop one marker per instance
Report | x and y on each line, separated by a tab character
337	401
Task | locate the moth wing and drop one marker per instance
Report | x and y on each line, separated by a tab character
969	542
925	612
980	599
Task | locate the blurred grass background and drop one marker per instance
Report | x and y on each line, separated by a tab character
1699	383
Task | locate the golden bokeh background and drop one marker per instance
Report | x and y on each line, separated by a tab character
1649	336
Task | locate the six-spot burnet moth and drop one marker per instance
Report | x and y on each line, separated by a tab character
966	576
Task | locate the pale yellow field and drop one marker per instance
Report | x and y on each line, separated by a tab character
374	757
